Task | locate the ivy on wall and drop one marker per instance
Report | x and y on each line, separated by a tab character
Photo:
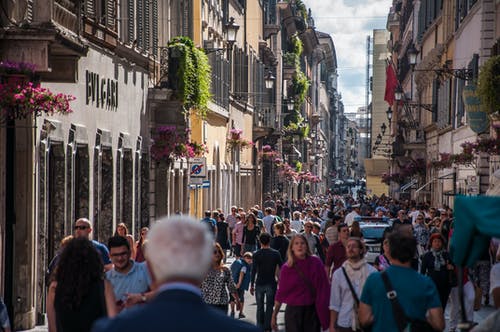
489	85
192	72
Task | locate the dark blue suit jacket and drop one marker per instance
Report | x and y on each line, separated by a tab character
173	310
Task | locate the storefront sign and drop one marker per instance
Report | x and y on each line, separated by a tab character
101	92
478	120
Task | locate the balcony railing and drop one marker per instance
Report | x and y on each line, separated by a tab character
266	118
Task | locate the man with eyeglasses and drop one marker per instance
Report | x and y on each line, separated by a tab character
83	228
130	280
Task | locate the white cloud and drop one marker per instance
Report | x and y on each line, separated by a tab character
349	22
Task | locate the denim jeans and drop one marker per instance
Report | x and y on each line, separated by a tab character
264	309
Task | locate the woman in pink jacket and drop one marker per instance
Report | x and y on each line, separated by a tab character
304	288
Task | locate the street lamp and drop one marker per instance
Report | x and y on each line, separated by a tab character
290	105
269	79
398	94
231	31
412	53
389	115
383	127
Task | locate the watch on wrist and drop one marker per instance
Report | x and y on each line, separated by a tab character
143	297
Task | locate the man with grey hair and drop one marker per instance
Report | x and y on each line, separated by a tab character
177	274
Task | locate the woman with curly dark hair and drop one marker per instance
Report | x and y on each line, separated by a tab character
79	295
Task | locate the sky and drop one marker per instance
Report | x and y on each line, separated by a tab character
349	22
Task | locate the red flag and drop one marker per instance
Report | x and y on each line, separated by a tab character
391	83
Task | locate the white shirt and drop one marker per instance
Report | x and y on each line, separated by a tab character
268	223
349	218
297	225
341	299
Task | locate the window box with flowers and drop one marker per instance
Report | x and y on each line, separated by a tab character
21	97
169	144
235	140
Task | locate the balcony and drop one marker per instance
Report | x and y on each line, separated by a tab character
265	123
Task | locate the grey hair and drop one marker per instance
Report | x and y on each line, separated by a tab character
179	247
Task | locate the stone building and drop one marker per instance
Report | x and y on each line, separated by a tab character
93	162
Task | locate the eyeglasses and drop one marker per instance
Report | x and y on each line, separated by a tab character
119	254
308	227
82	227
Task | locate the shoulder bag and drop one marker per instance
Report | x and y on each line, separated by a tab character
404	323
356	301
308	282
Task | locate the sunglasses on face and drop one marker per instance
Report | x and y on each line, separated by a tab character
83	227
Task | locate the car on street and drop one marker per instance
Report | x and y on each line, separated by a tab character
373	234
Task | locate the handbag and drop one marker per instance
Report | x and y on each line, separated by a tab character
356	301
404	323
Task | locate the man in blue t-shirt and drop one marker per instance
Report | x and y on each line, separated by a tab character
416	293
83	228
130	279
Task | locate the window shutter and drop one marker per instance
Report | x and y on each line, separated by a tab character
90	8
147	24
155	27
139	23
130	21
111	14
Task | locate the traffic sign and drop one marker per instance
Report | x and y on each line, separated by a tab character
198	167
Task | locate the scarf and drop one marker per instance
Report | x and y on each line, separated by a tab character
438	259
358	273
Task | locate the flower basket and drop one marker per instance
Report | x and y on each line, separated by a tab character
169	144
235	140
21	98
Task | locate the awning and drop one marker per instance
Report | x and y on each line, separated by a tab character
434	179
405	187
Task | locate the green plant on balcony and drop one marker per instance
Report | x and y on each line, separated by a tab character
192	75
300	86
489	85
289	59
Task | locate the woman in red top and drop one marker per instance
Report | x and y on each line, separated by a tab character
305	289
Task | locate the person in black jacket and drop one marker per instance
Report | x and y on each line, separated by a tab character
437	265
280	241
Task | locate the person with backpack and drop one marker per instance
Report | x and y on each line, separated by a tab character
210	223
241	270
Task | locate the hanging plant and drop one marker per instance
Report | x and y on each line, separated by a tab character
268	153
21	98
191	75
169	144
235	140
489	85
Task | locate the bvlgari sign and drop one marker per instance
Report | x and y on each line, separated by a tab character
101	92
477	119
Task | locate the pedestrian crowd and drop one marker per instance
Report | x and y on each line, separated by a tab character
309	254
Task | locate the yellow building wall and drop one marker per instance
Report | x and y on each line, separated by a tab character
375	186
254	21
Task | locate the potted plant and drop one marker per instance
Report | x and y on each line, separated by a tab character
20	97
489	86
